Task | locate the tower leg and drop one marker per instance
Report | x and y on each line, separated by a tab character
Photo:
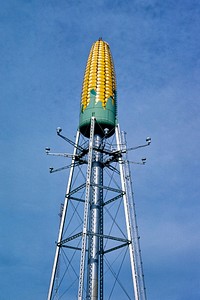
55	264
131	221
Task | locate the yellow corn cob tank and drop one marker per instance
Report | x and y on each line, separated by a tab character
98	96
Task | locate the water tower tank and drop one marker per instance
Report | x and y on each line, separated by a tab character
98	96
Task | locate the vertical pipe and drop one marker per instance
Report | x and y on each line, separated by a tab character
96	199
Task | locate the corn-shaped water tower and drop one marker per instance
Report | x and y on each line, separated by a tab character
97	251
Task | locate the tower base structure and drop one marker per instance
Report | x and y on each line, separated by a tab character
97	251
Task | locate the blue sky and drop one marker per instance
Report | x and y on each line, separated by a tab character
44	48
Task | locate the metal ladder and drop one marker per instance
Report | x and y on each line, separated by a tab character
86	208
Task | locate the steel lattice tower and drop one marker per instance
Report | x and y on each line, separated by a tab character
98	241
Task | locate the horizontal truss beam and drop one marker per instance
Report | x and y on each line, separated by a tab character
113	199
75	190
116	248
93	234
107	188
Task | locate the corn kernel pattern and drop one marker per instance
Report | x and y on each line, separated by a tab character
99	76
